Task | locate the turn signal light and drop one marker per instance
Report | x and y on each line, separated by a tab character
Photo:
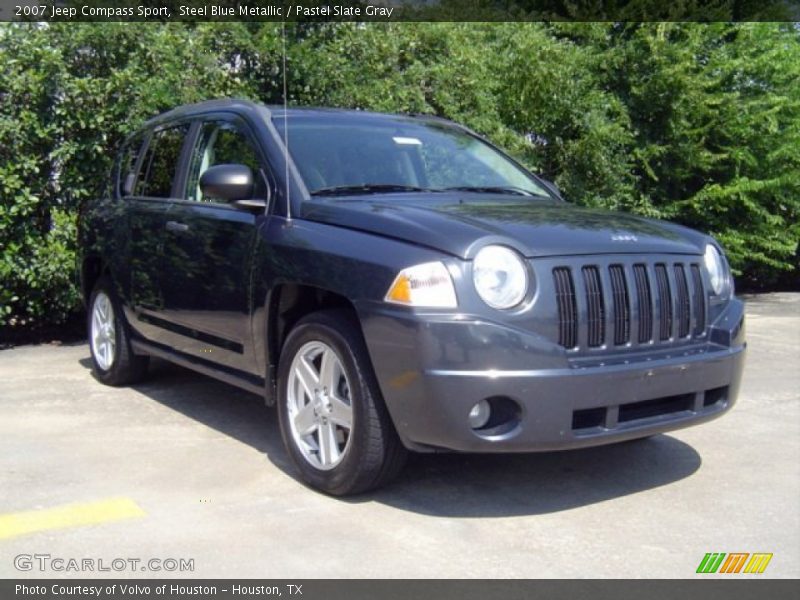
428	285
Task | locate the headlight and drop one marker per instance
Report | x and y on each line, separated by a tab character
500	276
717	271
428	284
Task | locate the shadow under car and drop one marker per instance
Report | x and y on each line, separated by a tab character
444	484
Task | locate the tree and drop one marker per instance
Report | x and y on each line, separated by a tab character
698	123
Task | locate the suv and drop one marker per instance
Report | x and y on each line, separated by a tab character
397	283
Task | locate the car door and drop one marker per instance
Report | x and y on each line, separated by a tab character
208	250
150	192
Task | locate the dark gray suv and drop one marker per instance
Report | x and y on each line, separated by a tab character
397	283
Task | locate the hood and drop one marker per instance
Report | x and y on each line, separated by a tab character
459	225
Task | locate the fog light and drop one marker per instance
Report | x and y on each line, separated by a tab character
479	415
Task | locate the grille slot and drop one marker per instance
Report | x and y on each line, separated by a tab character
588	418
715	396
684	308
644	302
699	301
664	303
622	307
594	301
567	309
655	408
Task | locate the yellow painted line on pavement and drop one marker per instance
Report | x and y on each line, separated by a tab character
68	515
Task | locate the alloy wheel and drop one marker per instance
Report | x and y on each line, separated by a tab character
103	333
319	405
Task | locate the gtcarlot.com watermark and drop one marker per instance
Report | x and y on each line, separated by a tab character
60	564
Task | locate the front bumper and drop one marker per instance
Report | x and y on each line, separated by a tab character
432	369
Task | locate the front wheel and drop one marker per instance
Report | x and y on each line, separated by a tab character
113	358
333	420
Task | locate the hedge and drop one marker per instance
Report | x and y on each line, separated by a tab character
696	123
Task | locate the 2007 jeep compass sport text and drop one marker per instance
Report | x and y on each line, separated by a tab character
397	283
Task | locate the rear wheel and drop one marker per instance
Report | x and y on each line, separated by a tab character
333	420
112	356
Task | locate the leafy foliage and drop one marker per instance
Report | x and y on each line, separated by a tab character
698	123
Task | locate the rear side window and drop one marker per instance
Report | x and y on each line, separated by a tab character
158	168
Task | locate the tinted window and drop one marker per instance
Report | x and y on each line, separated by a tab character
222	143
330	152
160	162
127	163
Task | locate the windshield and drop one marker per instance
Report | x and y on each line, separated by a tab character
371	155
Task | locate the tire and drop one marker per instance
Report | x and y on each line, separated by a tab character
114	363
324	351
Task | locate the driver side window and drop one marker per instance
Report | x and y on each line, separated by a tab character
222	143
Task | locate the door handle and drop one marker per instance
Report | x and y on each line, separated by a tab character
177	227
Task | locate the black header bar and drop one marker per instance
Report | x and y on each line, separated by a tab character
399	10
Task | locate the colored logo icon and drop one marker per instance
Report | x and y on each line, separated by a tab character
735	562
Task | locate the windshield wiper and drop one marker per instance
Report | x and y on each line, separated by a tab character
368	188
494	189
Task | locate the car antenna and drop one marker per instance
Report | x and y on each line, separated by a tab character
285	124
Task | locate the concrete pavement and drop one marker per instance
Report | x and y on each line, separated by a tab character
204	463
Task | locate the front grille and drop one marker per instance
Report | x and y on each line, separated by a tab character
620	305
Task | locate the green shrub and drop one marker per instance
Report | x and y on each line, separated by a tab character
698	123
39	276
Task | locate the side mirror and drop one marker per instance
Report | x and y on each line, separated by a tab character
228	182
